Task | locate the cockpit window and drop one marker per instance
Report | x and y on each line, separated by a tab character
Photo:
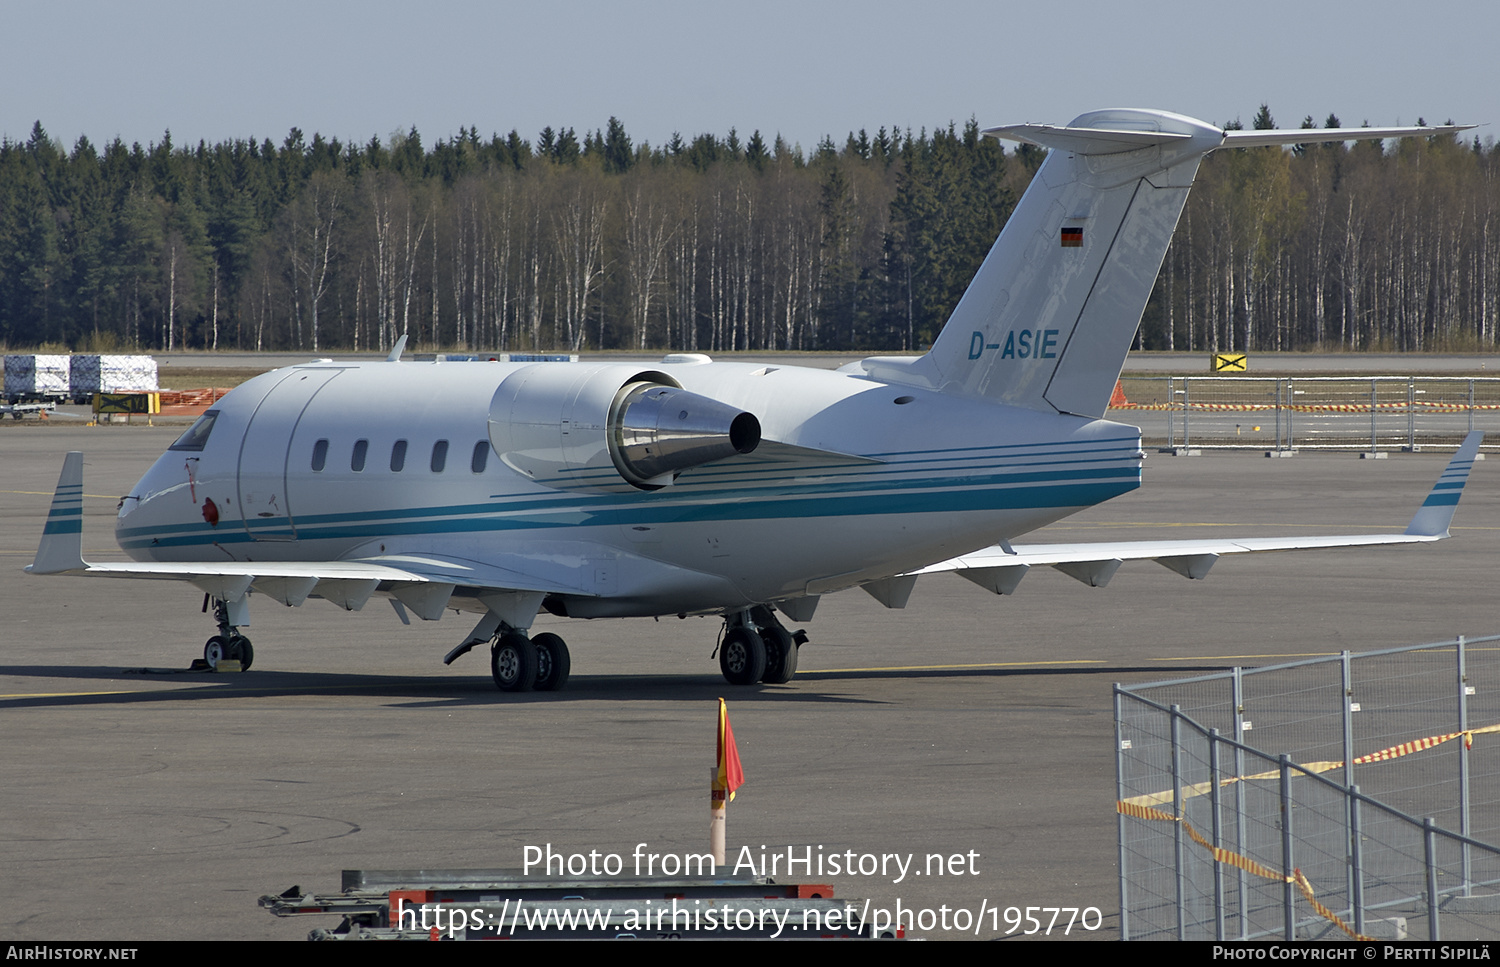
197	434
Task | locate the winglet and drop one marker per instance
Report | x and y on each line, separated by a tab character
62	539
1436	513
396	350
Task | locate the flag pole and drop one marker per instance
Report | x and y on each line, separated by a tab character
727	776
716	817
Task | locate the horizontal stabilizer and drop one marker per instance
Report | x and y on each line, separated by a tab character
1283	136
1085	141
1101	141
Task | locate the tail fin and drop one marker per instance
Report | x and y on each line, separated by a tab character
1047	321
1049	318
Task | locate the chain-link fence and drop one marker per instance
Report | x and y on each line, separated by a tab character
1349	794
1374	413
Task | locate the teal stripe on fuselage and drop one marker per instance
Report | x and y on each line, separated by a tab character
714	476
695	492
329	527
985	476
978	458
1131	439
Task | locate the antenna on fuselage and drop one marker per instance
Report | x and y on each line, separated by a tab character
396	350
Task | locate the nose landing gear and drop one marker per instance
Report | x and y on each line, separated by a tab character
228	644
232	647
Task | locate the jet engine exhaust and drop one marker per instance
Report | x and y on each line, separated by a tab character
658	431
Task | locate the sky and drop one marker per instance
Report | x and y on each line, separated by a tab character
218	71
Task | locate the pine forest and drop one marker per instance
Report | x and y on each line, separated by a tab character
714	244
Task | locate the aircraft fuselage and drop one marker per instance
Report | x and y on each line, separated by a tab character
855	479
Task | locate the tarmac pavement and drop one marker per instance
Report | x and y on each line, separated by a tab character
144	802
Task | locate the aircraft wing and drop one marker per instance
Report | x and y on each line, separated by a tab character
422	582
1001	568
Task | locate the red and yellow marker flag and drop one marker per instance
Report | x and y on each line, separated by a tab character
730	775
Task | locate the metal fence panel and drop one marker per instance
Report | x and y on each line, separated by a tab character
1375	413
1290	801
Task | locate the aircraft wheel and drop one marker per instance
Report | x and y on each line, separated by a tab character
781	656
233	647
552	662
241	644
513	663
742	657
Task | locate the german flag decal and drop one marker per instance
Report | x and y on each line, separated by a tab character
1072	238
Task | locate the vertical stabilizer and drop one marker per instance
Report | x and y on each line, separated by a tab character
1050	316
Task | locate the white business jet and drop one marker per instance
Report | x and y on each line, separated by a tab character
692	487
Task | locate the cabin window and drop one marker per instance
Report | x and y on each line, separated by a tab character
357	461
439	456
197	434
320	455
398	456
481	456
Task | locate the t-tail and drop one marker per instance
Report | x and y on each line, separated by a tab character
1048	319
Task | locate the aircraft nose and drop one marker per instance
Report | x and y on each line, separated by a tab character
148	501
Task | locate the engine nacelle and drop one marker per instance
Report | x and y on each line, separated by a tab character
610	427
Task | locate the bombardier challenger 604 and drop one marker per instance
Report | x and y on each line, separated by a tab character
593	489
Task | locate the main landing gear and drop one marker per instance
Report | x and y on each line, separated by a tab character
228	644
757	648
521	664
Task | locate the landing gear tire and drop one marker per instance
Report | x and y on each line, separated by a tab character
781	655
233	647
742	657
552	662
513	663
